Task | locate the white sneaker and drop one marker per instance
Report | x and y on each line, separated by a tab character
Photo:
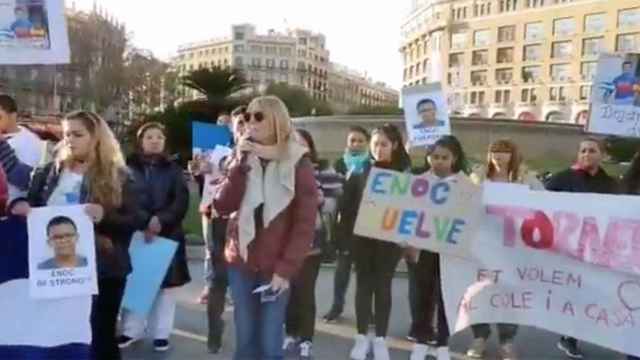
306	349
443	353
477	348
421	351
361	347
288	343
380	349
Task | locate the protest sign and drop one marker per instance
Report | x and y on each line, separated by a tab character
33	32
615	98
565	267
62	260
421	211
425	112
35	328
216	160
150	262
205	137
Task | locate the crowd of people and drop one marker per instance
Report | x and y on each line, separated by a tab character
278	212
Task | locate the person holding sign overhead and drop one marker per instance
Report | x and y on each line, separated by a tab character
445	159
504	164
164	199
88	169
62	237
375	260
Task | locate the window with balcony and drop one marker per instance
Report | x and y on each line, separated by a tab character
502	97
534	31
271	63
455	79
529	96
588	70
238	48
456	60
595	23
507	5
458	41
628	43
562	49
271	50
284	64
561	72
532	53
286	51
558	93
480	57
479	78
531	73
591	47
585	92
256	62
239	36
239	61
564	27
506	33
481	38
629	18
504	76
535	3
418	69
505	56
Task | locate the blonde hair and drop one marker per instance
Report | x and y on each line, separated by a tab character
106	162
276	113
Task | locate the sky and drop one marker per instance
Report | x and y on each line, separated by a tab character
361	34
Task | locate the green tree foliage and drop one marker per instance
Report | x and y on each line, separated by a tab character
298	100
217	85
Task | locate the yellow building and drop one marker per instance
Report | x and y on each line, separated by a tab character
351	90
524	59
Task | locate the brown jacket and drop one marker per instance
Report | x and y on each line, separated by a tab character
282	246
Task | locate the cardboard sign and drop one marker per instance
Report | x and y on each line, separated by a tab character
421	211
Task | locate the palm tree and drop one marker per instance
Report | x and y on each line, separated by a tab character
216	84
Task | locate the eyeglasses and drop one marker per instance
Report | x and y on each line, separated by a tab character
258	116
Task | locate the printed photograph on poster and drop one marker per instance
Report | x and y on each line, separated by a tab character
615	96
61	252
426	114
33	32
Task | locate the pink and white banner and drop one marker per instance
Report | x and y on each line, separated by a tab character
563	262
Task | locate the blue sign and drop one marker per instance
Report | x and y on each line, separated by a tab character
206	136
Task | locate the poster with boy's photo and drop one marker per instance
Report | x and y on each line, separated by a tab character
615	96
62	260
426	115
33	32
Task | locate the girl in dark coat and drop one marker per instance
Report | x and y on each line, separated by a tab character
164	198
375	260
88	169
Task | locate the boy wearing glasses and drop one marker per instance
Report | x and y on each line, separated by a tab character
62	237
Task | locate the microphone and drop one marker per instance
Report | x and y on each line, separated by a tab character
245	154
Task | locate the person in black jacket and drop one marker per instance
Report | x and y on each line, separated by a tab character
354	160
375	260
88	169
164	199
585	176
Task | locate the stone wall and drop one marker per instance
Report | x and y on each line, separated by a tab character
539	141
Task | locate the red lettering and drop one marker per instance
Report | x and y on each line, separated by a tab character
509	214
539	222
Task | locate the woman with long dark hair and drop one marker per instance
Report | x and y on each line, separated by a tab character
89	169
164	199
375	260
270	186
445	159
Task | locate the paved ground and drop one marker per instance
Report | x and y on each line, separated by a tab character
333	342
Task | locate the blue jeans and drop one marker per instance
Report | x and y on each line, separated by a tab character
259	326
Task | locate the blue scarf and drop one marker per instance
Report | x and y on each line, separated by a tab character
356	162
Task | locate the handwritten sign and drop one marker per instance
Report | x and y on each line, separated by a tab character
544	260
615	96
421	211
62	260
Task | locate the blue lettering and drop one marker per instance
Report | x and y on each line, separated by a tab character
456	228
407	222
377	183
440	193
